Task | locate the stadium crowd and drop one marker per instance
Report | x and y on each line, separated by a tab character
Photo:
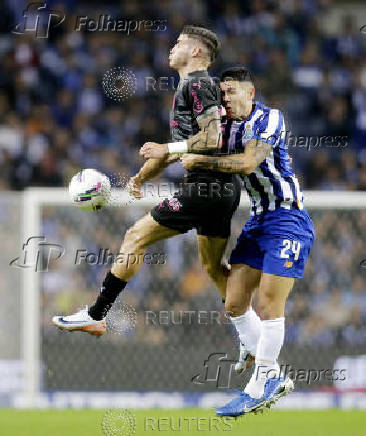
55	117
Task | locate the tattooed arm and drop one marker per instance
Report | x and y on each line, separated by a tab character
208	138
244	163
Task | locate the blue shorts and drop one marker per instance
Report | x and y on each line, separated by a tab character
276	242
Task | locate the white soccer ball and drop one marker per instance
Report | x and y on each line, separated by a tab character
90	189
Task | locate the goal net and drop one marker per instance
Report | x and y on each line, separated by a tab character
169	333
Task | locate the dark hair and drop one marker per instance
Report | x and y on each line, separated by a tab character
241	74
206	36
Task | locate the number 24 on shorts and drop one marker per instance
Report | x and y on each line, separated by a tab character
294	246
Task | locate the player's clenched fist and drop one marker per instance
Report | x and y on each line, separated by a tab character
154	150
190	161
133	187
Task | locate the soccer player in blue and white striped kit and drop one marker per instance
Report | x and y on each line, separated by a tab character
274	245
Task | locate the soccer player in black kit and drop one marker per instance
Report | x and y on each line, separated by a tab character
206	200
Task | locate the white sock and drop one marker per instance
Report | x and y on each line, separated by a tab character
248	327
268	350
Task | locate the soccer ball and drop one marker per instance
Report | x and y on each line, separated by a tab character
90	189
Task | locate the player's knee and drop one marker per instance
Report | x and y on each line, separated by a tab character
266	305
234	308
133	238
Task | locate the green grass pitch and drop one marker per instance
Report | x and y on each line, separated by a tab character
272	423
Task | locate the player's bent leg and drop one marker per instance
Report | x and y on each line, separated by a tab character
143	233
242	282
267	385
211	251
146	231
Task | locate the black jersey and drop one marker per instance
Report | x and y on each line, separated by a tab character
194	95
206	199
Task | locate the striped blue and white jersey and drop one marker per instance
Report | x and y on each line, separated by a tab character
272	184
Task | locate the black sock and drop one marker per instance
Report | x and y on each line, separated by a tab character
111	288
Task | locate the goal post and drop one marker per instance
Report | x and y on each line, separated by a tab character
34	200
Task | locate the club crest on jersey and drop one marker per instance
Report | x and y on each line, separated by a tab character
173	204
248	132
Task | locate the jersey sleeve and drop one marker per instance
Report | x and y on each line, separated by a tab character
202	94
269	128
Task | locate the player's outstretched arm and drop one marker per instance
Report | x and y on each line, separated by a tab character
243	163
150	169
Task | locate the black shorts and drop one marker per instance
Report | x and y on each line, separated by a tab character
204	201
